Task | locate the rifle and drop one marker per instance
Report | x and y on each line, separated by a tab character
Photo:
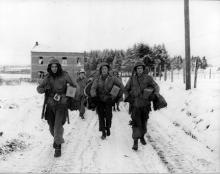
68	119
44	106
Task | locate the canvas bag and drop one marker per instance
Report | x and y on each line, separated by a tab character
73	102
114	91
146	91
71	91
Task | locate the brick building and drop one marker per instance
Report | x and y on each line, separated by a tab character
71	62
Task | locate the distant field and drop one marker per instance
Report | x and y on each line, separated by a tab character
14	76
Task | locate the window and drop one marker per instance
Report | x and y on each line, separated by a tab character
40	61
64	61
77	61
41	74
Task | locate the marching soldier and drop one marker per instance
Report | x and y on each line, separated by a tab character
102	89
82	81
116	74
139	87
55	86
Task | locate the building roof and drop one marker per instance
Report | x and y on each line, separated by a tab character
39	47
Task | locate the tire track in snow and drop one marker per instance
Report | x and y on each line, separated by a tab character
175	156
145	158
178	151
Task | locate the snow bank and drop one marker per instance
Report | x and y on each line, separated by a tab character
195	111
20	108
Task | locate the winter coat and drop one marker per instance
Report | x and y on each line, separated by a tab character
135	87
82	84
101	87
57	84
120	96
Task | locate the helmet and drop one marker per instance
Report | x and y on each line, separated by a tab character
139	63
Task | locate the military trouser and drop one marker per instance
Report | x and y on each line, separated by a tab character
104	111
56	118
82	106
140	116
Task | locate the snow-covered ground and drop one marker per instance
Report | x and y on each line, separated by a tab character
184	137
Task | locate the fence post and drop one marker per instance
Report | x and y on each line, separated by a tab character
171	73
210	73
196	70
160	73
155	71
165	72
184	72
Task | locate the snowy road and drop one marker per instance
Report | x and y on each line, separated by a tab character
168	149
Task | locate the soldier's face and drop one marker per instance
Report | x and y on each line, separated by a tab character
54	68
140	69
104	70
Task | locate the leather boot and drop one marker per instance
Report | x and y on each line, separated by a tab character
82	116
108	132
57	151
103	135
135	145
142	140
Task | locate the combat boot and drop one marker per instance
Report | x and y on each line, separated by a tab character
108	132
57	151
82	116
103	135
135	145
142	140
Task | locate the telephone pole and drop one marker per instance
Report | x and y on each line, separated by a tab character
187	45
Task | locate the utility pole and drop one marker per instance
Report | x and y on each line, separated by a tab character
187	45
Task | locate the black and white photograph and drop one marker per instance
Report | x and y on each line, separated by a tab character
110	86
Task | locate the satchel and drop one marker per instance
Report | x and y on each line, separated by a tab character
115	91
159	102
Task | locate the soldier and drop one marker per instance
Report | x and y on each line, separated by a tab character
82	81
116	74
101	89
55	86
139	87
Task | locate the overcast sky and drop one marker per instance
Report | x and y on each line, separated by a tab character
99	24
